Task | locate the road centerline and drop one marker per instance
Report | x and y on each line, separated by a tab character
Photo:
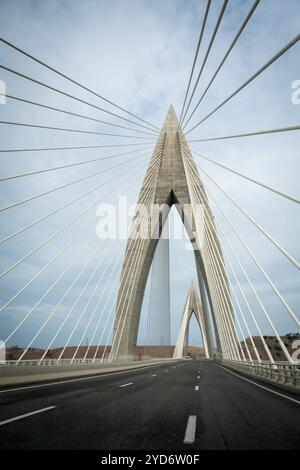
126	385
190	432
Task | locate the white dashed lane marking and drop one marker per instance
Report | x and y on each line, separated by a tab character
27	415
190	432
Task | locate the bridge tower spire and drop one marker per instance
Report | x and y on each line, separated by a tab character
171	178
192	306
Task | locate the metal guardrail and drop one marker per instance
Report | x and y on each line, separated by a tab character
279	372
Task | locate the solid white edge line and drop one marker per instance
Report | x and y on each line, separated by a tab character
126	385
61	382
26	415
261	386
189	437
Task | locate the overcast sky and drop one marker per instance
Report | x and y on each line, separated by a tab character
139	55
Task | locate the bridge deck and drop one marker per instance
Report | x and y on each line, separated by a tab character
150	409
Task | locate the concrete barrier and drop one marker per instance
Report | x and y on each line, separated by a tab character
280	374
34	374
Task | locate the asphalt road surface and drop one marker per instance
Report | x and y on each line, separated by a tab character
164	407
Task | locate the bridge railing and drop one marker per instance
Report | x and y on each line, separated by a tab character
279	372
53	362
75	362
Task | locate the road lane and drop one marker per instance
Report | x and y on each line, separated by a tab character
19	400
152	413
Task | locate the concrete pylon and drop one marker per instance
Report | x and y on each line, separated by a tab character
170	179
192	306
159	302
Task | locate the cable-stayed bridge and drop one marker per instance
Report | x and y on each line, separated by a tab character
86	279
